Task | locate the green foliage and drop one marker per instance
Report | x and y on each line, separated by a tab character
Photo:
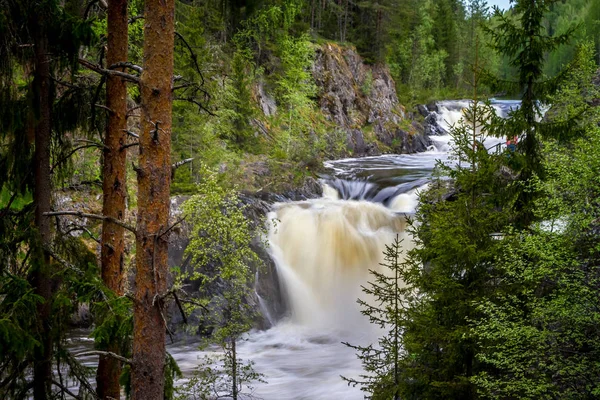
381	362
538	334
524	41
220	248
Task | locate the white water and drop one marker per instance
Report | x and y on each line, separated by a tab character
323	249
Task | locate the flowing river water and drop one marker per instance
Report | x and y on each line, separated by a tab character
323	249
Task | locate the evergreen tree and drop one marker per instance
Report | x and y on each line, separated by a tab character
114	185
382	362
40	43
539	336
525	42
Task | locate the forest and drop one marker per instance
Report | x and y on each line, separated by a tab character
127	125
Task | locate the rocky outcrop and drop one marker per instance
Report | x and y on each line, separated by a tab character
362	100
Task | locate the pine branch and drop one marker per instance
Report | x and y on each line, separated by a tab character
66	390
129	65
92	216
106	354
109	72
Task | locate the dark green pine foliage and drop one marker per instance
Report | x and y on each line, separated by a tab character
540	334
33	320
382	362
456	230
523	38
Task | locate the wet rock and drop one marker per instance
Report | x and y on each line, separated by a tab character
432	127
432	107
423	110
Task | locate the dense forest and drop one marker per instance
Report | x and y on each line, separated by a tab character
111	108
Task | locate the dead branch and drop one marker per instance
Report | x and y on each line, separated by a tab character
104	353
131	110
180	308
92	143
76	227
66	390
196	102
126	146
192	55
129	65
109	72
180	220
182	162
102	106
92	216
65	158
135	18
132	134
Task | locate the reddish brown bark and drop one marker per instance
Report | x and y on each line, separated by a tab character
41	277
114	186
154	181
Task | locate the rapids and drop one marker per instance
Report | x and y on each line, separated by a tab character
323	249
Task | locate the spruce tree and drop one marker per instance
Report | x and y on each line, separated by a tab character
382	362
39	45
524	40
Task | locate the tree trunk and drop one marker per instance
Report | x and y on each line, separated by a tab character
234	377
114	186
154	181
41	277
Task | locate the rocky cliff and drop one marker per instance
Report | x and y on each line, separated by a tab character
362	101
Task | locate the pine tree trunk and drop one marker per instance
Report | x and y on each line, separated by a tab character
42	280
114	186
154	181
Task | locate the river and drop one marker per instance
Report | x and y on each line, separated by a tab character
323	249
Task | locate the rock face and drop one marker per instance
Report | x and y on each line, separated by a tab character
362	100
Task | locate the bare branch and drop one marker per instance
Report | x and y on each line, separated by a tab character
104	353
135	18
131	110
192	54
92	216
66	390
65	158
129	65
180	220
196	102
180	307
92	143
102	106
126	146
103	71
182	162
132	134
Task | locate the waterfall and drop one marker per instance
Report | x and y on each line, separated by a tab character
324	250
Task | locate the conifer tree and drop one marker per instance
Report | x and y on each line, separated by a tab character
382	362
525	42
114	185
40	40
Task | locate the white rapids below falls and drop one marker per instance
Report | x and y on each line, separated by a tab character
324	249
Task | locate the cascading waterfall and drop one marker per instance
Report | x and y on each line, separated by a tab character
324	250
